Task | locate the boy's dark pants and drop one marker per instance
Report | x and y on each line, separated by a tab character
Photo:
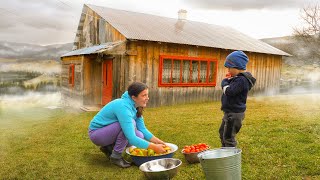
230	126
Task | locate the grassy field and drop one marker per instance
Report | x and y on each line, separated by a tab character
280	139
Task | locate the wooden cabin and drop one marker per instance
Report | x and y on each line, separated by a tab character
181	61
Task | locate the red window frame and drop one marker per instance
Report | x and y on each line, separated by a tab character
71	75
189	83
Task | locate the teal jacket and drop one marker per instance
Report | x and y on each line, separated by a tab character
123	110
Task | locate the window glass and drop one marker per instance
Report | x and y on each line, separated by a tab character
211	72
185	71
203	71
166	70
195	66
176	71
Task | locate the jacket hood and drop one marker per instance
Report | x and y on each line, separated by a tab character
249	77
127	97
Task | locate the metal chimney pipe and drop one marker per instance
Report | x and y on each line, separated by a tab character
182	14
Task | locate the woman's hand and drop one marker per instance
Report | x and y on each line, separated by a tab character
158	148
156	140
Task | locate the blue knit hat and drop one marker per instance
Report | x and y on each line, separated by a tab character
237	59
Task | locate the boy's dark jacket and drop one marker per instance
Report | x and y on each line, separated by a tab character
234	98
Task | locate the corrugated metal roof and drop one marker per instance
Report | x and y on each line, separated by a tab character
94	49
140	26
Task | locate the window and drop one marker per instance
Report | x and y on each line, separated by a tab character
187	71
71	75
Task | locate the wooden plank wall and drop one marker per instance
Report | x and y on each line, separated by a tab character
72	95
88	84
92	80
120	75
266	69
95	30
144	67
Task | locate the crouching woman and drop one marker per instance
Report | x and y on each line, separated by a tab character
120	122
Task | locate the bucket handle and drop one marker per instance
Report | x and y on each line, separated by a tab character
228	147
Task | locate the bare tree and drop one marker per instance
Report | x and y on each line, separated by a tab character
311	18
309	32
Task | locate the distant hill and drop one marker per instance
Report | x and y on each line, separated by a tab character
302	53
23	51
300	72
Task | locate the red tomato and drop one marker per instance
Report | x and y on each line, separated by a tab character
195	148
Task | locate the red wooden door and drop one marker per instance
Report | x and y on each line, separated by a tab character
106	81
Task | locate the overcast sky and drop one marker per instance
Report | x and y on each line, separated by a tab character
55	21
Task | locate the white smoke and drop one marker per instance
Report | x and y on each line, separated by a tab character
314	77
43	67
31	99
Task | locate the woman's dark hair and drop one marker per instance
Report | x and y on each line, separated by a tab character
139	111
135	89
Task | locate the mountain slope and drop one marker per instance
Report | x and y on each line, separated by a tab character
23	51
303	53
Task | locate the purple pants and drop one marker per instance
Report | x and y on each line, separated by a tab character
111	134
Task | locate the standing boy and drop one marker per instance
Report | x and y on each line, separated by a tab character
235	91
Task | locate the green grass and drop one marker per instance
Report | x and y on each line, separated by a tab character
280	139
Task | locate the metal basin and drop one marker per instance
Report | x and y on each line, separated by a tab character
192	157
138	160
165	168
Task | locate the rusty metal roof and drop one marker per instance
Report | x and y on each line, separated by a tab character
102	48
140	26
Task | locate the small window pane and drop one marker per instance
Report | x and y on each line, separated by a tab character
203	71
195	65
185	71
71	74
166	70
176	71
212	72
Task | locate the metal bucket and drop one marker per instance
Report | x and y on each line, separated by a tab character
223	163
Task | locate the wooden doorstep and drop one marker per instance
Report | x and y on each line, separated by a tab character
91	108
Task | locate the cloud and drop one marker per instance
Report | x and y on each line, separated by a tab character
36	13
33	20
237	5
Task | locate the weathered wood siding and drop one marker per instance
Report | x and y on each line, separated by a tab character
92	74
94	30
120	75
72	95
266	68
144	67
